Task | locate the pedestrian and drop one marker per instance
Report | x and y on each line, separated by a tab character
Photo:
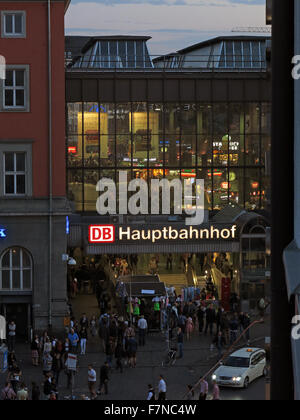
119	356
210	319
104	378
35	392
12	330
93	326
84	322
216	391
162	389
132	351
233	329
109	351
47	346
151	393
180	339
220	343
103	332
47	387
203	390
15	377
200	316
92	380
74	340
23	394
7	393
189	328
47	364
143	327
83	340
35	349
57	365
191	394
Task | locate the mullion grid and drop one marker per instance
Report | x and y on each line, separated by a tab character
11	269
14	88
242	168
14	173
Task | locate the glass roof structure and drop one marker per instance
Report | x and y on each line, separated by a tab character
114	53
230	53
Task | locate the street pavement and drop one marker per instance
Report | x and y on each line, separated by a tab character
133	383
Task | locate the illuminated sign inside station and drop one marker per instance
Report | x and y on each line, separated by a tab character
107	234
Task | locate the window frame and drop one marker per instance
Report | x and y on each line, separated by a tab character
15	173
26	88
20	35
16	146
20	268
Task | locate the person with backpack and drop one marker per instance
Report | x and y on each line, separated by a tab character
7	393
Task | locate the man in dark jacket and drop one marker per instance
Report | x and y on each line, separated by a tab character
104	378
200	316
210	319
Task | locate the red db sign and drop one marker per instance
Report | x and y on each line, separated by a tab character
101	234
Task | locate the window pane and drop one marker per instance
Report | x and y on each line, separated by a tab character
8	24
20	78
9	184
172	150
253	189
188	121
75	118
26	260
188	150
252	150
9	81
220	188
16	279
20	162
91	178
9	162
16	255
6	260
107	151
20	98
20	184
204	119
123	116
5	280
123	150
221	118
27	280
204	150
75	192
75	151
18	24
91	150
9	98
252	118
236	119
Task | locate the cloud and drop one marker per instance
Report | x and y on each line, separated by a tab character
172	25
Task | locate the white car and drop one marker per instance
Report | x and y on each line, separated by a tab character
242	368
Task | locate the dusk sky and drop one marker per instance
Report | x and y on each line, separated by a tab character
173	24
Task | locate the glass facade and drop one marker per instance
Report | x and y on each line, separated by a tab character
226	144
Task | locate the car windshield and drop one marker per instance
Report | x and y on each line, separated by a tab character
241	362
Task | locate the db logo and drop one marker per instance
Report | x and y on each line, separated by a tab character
102	234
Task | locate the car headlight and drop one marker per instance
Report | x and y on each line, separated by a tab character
238	379
214	377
